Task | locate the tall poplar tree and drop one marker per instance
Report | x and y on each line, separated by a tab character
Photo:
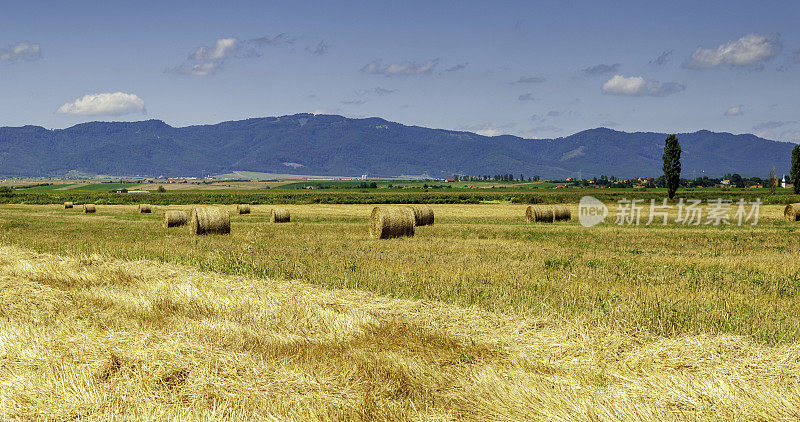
672	164
795	171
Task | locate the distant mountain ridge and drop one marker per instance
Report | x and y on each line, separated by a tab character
335	145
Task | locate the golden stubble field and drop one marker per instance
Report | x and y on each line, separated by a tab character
481	316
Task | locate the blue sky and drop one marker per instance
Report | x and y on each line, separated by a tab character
533	69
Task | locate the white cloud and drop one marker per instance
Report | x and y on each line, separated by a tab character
376	67
20	51
490	132
750	50
790	135
379	91
106	104
530	80
197	69
321	49
662	58
735	110
278	39
222	49
383	91
327	111
489	129
601	69
778	130
544	129
457	67
770	125
207	60
637	86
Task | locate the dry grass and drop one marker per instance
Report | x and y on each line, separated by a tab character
668	281
95	338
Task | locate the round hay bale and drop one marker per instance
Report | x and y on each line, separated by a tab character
792	212
145	208
423	214
279	215
68	205
175	218
243	208
547	213
89	208
386	222
539	214
210	220
561	213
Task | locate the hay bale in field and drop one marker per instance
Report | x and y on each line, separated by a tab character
423	214
386	222
561	213
537	214
68	205
89	208
243	208
210	220
547	213
792	212
175	218
279	215
145	208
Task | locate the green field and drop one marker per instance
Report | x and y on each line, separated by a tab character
399	184
47	187
105	187
99	193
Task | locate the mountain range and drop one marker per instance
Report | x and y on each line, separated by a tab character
334	145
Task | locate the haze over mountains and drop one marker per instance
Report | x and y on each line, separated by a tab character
335	145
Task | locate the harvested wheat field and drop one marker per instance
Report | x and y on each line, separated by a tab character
99	338
481	316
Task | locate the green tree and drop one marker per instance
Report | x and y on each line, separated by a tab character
737	180
672	164
161	189
794	173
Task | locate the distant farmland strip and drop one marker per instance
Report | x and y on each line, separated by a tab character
47	187
105	187
101	193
